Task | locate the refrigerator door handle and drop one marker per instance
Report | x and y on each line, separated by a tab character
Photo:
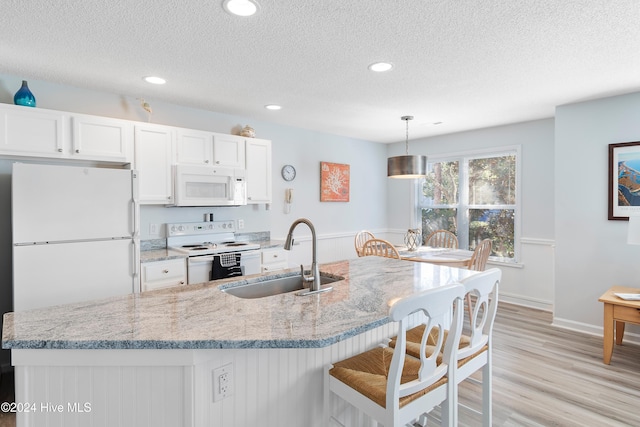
135	204
135	257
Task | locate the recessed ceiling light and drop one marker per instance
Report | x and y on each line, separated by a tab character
240	7
380	67
273	107
155	80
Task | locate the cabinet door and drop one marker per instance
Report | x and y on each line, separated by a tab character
163	274
228	150
194	147
26	131
258	171
101	138
153	161
274	259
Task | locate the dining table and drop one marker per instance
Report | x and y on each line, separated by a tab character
460	258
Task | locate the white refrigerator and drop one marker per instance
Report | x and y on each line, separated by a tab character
75	234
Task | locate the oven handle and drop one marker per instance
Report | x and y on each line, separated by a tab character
200	259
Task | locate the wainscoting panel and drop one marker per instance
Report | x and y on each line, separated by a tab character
103	396
275	387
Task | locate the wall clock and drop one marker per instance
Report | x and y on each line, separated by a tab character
288	173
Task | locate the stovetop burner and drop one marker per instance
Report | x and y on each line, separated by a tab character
197	239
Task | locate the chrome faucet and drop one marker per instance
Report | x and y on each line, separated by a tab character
314	279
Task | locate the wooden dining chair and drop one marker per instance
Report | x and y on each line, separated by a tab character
442	239
393	388
475	348
379	247
478	262
361	237
480	255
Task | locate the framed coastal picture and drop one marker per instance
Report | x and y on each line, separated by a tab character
334	182
624	180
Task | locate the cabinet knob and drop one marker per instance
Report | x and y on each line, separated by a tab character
206	161
217	162
77	151
182	282
165	271
59	150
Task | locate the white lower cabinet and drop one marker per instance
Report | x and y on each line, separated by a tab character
164	274
274	259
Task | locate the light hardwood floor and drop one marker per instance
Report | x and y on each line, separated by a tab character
542	376
546	376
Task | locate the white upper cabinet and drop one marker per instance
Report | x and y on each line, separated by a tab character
37	132
27	131
194	147
154	148
209	149
258	160
101	138
228	150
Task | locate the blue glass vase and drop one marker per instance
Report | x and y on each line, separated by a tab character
24	96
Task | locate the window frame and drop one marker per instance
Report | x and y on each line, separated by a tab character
463	157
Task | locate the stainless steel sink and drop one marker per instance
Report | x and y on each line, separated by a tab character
276	286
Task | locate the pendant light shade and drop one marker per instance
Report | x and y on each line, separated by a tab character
407	166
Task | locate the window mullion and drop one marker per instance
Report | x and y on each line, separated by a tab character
463	204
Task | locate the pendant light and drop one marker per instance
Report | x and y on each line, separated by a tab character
407	166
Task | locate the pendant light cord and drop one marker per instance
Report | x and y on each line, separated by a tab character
406	120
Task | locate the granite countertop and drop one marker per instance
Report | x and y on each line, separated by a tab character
203	317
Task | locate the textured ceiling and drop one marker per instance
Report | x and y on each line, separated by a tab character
468	64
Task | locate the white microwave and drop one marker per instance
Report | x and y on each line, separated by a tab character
209	186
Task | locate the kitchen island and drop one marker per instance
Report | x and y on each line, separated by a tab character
153	359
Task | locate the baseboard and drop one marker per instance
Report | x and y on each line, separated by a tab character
526	301
598	331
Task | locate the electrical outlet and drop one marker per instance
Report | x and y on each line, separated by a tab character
222	382
240	224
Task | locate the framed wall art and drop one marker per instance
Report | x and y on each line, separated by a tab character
334	182
624	180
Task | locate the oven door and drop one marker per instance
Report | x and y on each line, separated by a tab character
199	269
221	266
251	262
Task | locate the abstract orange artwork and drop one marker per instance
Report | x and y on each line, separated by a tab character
334	182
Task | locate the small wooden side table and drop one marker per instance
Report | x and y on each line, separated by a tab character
617	312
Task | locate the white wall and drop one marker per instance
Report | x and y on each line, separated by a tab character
592	253
531	282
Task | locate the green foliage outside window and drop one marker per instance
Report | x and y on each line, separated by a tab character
485	210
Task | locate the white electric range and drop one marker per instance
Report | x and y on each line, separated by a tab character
213	253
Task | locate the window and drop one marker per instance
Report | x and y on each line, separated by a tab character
475	196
